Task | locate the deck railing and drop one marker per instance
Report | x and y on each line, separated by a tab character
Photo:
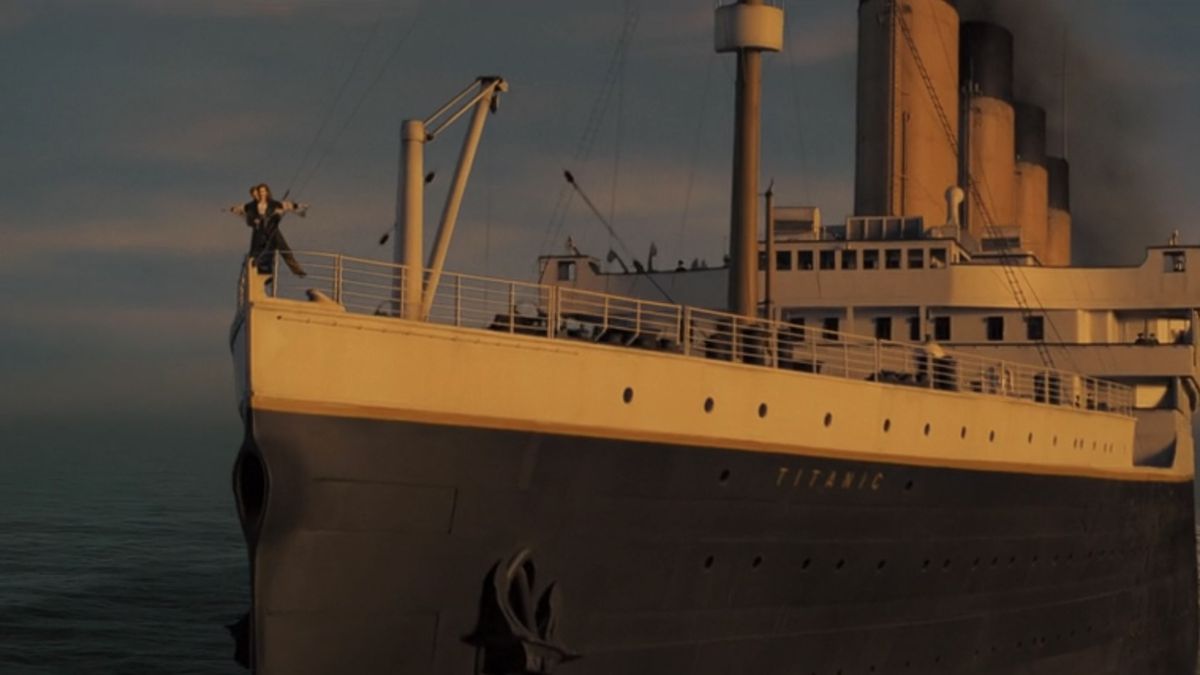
373	287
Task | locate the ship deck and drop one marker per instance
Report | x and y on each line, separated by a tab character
375	288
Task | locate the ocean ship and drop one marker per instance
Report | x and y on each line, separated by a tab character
918	449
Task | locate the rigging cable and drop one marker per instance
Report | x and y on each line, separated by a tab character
337	99
695	159
1012	276
620	118
591	129
612	232
407	33
789	51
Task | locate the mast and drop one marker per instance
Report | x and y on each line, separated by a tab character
749	28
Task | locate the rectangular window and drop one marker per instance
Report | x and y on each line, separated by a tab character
914	328
799	331
916	258
804	260
762	260
829	328
941	328
1035	328
871	259
828	260
883	328
892	258
937	258
995	328
566	270
783	261
849	260
1174	261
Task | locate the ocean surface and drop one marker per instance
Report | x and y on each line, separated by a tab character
119	546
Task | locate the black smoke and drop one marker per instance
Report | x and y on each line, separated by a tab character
1109	131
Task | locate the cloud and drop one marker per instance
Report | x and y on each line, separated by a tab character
203	139
140	325
240	9
122	383
14	15
169	233
818	39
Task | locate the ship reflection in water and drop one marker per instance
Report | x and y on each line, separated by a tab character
918	441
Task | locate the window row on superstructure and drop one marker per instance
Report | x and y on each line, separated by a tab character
950	324
804	259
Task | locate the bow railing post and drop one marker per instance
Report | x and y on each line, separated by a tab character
685	332
337	278
458	300
512	307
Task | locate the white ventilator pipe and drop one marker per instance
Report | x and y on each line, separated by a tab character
408	247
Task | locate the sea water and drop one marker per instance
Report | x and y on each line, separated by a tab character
119	547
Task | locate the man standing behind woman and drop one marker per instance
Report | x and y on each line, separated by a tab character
262	216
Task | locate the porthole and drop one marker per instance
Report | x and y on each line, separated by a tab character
724	477
991	436
840	564
708	404
828	419
1055	441
887	425
962	433
708	562
908	486
925	565
757	562
804	565
880	565
627	396
762	409
928	428
1030	439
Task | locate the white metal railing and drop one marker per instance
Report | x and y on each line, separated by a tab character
373	287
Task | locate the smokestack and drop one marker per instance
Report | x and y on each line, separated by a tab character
1058	239
988	127
1032	179
905	156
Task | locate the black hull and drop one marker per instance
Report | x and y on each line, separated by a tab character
373	542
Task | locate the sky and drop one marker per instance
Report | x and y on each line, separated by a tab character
129	125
